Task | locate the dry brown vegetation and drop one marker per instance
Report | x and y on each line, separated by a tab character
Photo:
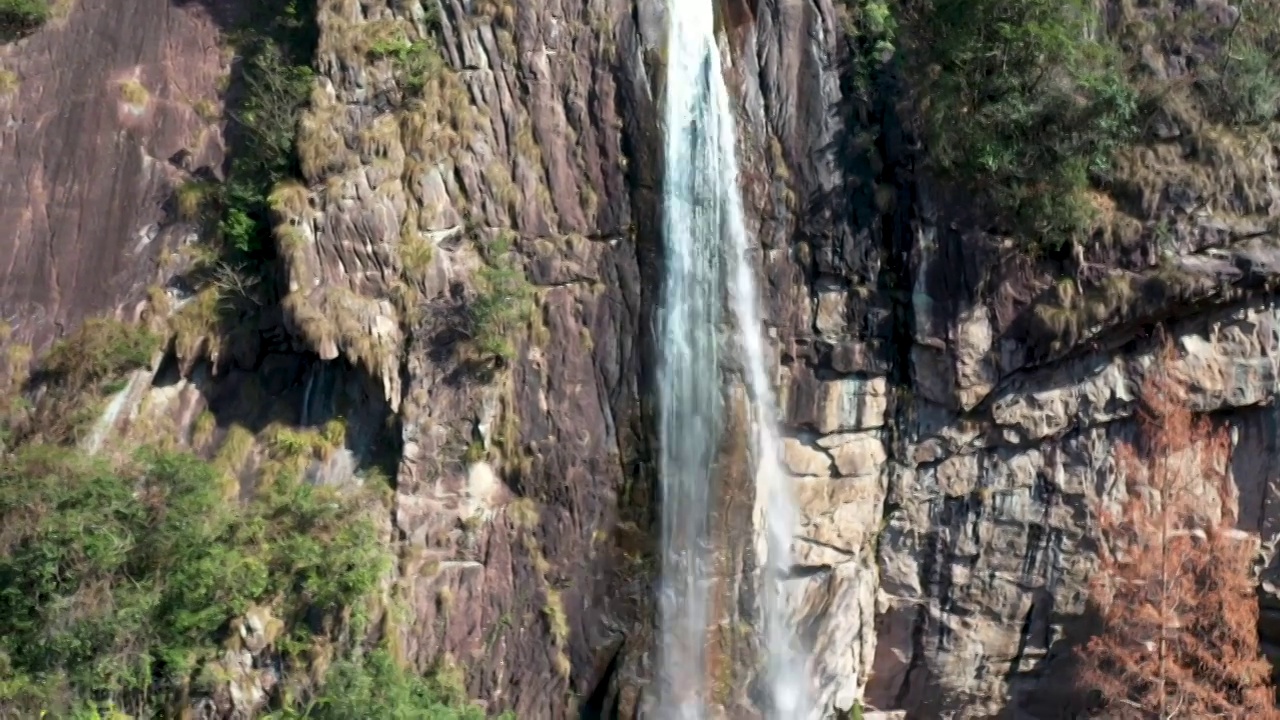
8	83
72	380
1175	590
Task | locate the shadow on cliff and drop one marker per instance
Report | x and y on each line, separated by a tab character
1051	688
447	328
247	27
251	370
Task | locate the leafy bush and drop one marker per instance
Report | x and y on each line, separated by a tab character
1243	86
503	307
19	17
376	688
872	27
117	581
1019	103
277	84
415	62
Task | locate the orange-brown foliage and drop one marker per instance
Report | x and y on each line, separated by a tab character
1174	590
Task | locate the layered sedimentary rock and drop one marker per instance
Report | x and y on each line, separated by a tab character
950	406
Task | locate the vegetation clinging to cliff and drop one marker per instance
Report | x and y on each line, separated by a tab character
74	376
276	73
1239	84
1021	102
1039	110
119	579
133	582
377	688
18	17
504	305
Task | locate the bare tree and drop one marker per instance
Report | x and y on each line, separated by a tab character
1174	588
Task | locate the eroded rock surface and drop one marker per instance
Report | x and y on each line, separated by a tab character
950	407
98	124
508	491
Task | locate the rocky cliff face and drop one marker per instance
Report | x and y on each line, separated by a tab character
104	112
950	404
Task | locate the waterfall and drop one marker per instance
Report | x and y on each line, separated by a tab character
689	373
706	243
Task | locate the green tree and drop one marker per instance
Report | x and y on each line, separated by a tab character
19	17
1023	101
375	687
276	77
117	580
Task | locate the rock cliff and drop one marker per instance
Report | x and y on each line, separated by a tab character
950	399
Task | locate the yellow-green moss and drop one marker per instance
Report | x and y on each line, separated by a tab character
524	512
8	83
333	434
134	93
444	600
475	453
339	316
197	326
289	199
159	301
321	148
17	362
207	110
231	457
590	201
498	12
290	239
416	252
286	442
557	622
192	199
203	428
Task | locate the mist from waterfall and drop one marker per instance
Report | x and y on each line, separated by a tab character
707	253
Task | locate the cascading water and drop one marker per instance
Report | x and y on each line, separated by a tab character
706	240
689	374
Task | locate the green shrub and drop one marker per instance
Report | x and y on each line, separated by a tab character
117	581
416	62
275	75
376	688
1019	104
275	93
872	27
19	17
1242	87
503	306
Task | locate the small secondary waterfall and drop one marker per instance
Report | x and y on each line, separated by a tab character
707	245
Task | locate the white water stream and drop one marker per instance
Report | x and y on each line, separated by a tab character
707	245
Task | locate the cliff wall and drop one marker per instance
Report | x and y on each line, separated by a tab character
951	399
